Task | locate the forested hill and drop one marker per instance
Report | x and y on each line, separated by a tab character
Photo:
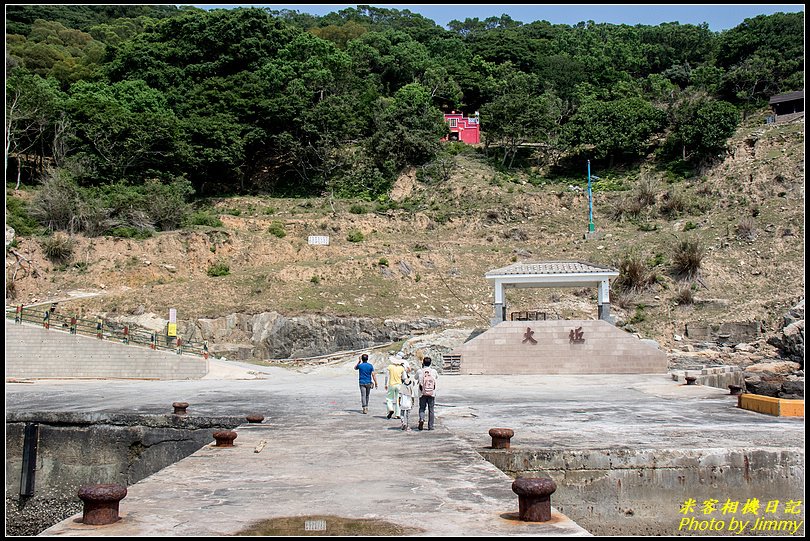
123	105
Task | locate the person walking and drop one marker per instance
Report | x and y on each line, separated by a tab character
427	377
406	399
367	376
393	379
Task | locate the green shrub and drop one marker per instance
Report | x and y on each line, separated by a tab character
202	217
277	229
358	209
673	203
688	226
639	315
687	258
129	232
17	217
219	269
355	236
315	279
383	262
418	277
58	248
234	212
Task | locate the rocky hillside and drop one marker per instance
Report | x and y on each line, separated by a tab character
425	257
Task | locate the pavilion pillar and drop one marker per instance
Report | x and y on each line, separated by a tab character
603	296
500	304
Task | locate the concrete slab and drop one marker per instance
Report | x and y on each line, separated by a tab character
323	456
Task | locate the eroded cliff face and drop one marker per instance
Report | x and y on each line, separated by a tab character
270	335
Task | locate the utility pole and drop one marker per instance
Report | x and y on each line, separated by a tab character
591	227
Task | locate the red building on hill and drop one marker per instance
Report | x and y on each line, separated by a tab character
463	129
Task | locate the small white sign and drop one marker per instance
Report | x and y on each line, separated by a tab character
172	315
318	239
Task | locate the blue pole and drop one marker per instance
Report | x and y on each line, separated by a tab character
591	227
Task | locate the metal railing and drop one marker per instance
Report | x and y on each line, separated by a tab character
106	330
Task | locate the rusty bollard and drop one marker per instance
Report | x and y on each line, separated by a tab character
501	437
101	503
255	418
224	438
180	408
690	380
534	498
735	390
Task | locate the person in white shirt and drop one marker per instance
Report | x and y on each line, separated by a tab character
427	377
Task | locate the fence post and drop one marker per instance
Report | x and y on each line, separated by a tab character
205	349
46	320
73	325
126	334
99	327
18	314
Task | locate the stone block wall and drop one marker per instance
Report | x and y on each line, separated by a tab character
605	349
35	352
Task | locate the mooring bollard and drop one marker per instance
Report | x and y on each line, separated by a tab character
101	503
224	438
255	418
180	408
534	498
735	390
501	437
690	380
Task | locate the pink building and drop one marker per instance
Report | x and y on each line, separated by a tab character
463	129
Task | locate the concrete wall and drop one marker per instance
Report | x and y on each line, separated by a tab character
605	350
80	449
640	492
34	352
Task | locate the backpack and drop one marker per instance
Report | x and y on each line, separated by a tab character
428	383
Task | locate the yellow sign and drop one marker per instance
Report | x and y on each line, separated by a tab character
172	329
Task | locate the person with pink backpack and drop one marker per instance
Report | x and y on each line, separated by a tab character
427	377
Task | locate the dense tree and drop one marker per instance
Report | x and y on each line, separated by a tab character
234	100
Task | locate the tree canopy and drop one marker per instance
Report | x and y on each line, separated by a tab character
252	99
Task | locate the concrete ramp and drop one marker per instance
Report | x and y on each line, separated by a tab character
34	352
557	347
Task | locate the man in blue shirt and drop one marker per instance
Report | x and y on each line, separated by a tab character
366	370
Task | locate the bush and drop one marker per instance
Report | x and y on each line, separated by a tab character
129	232
383	262
219	269
688	226
646	191
277	229
687	258
58	205
633	274
626	208
685	296
355	236
358	209
673	203
18	218
746	229
203	218
315	279
58	248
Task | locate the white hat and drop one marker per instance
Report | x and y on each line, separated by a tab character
398	358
